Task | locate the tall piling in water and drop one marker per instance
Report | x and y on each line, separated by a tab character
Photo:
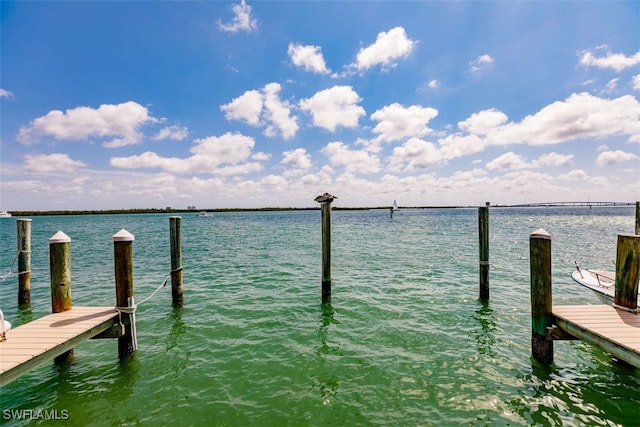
60	269
24	261
627	274
176	260
123	263
483	230
541	298
325	207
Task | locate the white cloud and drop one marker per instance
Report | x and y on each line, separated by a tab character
177	133
264	107
333	107
353	161
480	62
47	163
576	175
608	158
611	86
242	21
247	107
457	145
309	57
121	121
579	116
483	122
615	61
635	82
298	158
554	159
396	122
508	161
277	113
414	154
433	84
387	48
223	155
5	94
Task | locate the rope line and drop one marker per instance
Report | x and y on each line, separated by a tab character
162	285
10	272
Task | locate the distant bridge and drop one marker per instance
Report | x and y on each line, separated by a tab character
589	204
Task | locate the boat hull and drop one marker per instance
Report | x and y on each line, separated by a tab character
601	282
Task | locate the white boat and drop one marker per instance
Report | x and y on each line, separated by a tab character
602	282
5	214
395	205
4	326
204	214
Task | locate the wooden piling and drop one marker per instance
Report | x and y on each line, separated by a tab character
627	266
541	298
176	261
326	251
483	230
325	200
123	263
24	261
637	218
60	269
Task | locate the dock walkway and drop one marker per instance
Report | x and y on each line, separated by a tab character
36	342
613	330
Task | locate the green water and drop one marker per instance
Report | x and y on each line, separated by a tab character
405	342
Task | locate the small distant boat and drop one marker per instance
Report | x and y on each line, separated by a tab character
5	214
602	282
395	206
204	214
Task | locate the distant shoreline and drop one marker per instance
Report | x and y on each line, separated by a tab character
283	209
213	210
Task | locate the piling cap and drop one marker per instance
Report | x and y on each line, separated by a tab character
123	236
59	237
540	233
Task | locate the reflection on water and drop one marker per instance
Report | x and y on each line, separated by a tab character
327	382
178	328
485	337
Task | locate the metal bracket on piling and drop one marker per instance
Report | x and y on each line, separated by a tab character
554	333
115	331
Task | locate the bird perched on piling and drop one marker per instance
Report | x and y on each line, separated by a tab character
325	198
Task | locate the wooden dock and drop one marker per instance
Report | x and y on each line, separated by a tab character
36	342
613	330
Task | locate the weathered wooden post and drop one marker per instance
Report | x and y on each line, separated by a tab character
627	266
60	269
541	298
24	261
483	229
176	261
325	206
637	218
123	262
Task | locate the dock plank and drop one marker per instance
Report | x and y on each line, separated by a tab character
32	344
613	330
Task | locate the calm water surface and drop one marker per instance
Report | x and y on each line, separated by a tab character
405	341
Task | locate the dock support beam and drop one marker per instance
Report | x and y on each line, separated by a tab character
627	274
176	261
60	268
483	230
24	261
541	298
123	262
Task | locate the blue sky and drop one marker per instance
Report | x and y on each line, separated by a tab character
108	105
